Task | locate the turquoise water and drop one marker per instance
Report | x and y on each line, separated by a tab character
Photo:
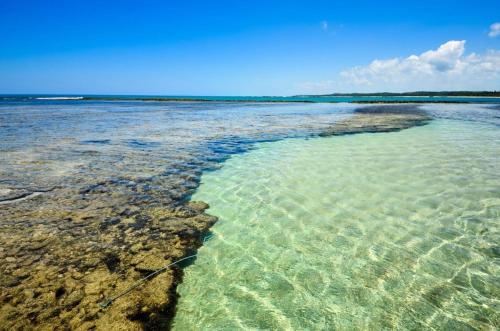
371	231
78	99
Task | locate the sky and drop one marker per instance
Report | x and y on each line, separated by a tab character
247	47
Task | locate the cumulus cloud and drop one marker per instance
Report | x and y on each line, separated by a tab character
447	67
494	30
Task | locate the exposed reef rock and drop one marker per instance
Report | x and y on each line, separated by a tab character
385	118
64	252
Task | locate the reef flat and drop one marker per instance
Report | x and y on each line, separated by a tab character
95	195
386	118
64	252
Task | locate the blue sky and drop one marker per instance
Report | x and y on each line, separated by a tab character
247	48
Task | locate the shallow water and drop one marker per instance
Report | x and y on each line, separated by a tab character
47	143
93	197
370	231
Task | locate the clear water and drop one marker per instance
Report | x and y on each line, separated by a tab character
47	143
371	231
83	184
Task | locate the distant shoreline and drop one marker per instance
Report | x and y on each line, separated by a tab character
359	98
468	94
264	100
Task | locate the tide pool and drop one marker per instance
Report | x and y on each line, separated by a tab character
370	231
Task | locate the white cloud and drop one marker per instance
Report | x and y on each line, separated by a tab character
494	30
324	25
446	68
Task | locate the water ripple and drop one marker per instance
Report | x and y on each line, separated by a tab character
374	231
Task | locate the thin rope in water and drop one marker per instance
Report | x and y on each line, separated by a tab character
108	302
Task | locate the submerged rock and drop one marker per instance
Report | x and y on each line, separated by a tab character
199	206
386	118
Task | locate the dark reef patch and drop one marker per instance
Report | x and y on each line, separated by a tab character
97	141
383	118
142	144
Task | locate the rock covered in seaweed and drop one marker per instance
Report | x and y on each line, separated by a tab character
53	280
384	118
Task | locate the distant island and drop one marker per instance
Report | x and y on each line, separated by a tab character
411	94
